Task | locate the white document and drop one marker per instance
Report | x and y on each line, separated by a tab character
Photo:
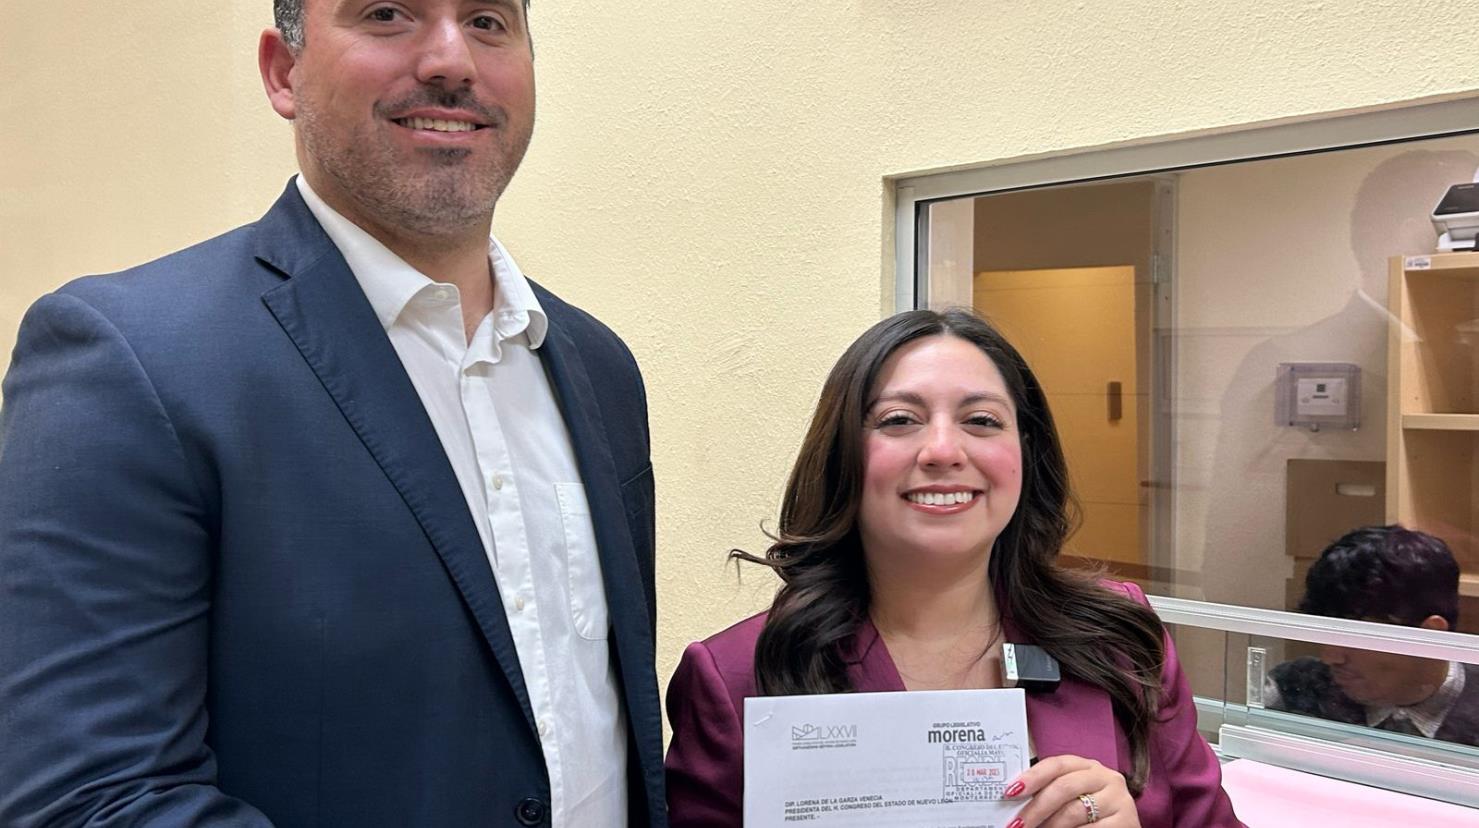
926	759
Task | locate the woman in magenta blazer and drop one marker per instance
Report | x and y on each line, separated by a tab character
919	531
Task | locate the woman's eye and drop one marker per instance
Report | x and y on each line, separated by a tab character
983	421
895	421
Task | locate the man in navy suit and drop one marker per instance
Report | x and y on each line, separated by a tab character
336	519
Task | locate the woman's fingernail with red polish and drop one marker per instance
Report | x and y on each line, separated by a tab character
1015	789
1015	823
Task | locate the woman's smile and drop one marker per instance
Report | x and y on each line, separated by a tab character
942	501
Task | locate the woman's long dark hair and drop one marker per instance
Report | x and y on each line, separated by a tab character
1099	635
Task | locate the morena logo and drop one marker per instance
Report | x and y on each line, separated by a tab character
939	735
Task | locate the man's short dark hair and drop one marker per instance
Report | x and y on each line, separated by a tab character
287	15
1384	573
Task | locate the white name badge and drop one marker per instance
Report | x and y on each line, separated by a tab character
928	759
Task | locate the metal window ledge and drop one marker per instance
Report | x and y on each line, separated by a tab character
1433	780
1340	632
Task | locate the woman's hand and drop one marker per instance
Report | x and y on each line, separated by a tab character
1070	791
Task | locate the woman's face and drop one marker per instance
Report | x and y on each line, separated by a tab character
942	458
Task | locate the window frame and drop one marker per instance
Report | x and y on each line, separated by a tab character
913	193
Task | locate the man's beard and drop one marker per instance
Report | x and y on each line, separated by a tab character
428	192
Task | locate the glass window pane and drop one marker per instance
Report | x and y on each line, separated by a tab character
1215	343
1417	707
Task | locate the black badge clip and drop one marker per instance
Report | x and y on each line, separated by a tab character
1030	668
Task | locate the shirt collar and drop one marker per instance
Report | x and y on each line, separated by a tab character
390	283
1427	715
515	307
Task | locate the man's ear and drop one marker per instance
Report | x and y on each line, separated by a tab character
1435	622
275	60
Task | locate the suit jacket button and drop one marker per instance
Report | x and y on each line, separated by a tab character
530	811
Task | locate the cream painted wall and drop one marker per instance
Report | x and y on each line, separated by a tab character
708	177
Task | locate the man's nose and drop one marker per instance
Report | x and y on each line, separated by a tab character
942	446
446	56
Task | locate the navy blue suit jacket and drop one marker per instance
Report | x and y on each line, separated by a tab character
239	584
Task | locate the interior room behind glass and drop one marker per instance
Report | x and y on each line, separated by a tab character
1247	361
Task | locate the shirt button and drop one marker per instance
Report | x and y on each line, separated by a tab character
444	293
519	604
544	730
498	482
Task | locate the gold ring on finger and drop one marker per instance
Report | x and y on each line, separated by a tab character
1091	808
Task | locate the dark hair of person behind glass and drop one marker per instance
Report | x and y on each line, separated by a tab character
1384	573
1099	635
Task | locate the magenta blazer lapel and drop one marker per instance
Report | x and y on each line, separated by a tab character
869	665
1076	718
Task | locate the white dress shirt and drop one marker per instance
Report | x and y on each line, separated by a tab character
495	413
1427	716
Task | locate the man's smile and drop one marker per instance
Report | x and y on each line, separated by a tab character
437	124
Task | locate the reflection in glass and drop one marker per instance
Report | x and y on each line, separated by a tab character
1392	575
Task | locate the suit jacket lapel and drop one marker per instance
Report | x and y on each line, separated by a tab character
323	310
624	593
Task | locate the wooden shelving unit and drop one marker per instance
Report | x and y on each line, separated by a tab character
1433	402
1440	422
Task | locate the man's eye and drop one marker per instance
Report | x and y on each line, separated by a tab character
384	14
488	22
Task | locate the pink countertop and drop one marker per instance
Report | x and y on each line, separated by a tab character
1269	797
